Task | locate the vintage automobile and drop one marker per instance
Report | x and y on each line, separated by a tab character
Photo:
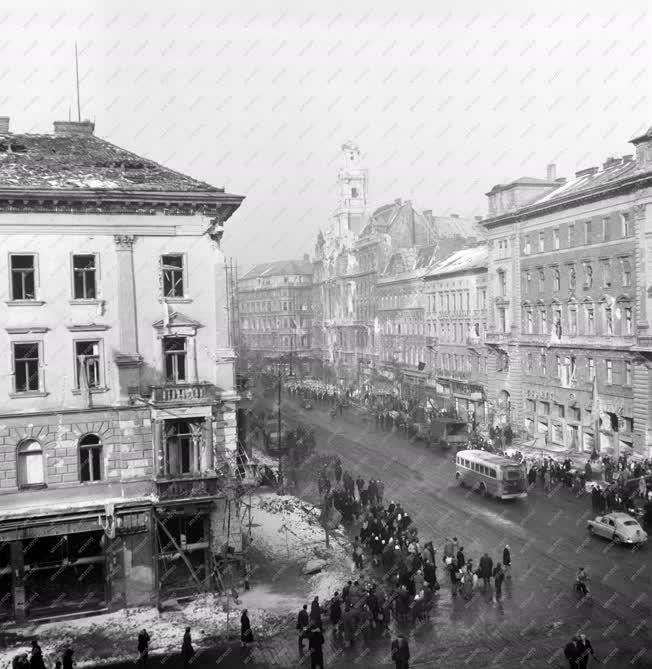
620	527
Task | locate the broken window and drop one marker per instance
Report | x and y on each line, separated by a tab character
90	457
83	269
172	270
182	439
87	355
23	277
30	464
174	350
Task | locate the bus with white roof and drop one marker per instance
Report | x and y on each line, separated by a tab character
490	474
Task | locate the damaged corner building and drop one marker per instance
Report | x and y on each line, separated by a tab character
118	449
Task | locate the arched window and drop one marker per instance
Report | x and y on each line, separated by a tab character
557	280
31	471
90	458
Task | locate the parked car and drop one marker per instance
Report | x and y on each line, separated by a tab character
620	527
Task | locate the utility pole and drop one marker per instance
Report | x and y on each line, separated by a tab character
280	453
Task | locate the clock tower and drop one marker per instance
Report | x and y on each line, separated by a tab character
352	182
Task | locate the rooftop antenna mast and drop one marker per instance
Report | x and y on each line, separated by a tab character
77	77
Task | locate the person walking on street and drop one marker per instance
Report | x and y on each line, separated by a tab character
486	569
303	622
143	647
187	651
499	577
315	644
507	562
315	613
335	613
401	652
584	649
36	657
246	634
571	652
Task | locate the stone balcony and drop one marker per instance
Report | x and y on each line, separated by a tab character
182	393
198	486
497	337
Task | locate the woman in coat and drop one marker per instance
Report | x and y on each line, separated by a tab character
187	651
246	635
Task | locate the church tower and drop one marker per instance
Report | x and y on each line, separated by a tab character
352	184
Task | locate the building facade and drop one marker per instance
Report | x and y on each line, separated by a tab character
455	299
349	263
569	277
117	406
275	307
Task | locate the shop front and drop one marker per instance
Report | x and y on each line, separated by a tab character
565	417
469	401
73	563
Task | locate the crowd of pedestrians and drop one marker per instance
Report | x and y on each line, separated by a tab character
398	570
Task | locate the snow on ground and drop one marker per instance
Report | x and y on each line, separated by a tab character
286	534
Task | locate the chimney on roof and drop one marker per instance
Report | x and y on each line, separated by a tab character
306	257
4	124
628	158
589	171
551	172
85	127
610	162
455	215
398	201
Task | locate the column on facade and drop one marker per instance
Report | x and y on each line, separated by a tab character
128	360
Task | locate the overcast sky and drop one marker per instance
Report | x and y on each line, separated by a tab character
444	98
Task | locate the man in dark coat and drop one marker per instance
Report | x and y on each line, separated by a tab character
460	557
143	647
571	652
36	657
315	613
584	649
486	567
315	643
303	622
335	612
499	577
401	653
507	562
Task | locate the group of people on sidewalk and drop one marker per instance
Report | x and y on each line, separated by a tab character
35	659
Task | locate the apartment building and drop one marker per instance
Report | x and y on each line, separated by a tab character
117	406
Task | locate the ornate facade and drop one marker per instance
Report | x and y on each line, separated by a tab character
117	405
569	319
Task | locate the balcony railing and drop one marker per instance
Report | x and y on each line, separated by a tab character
182	392
190	488
496	337
644	341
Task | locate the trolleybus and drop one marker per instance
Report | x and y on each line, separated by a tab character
490	474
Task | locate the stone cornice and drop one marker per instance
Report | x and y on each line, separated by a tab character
602	192
91	201
90	327
36	329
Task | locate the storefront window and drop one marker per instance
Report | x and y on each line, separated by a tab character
557	433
